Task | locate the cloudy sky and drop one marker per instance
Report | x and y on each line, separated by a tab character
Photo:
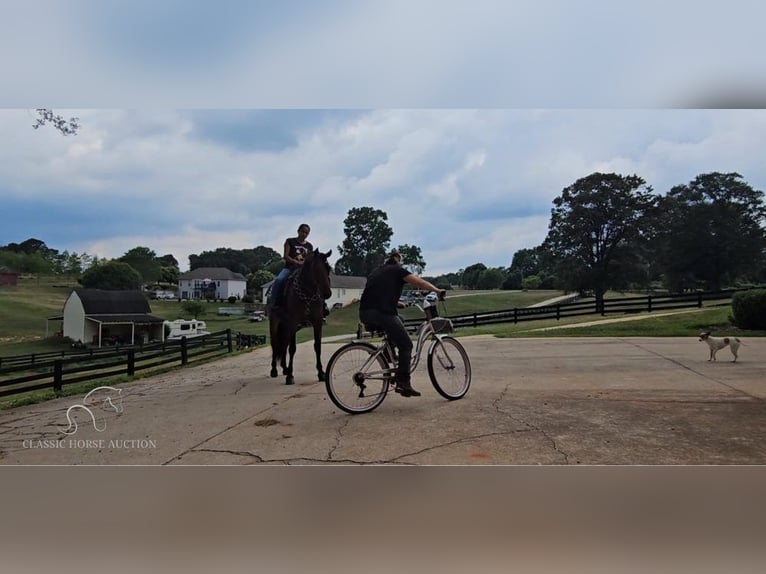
227	124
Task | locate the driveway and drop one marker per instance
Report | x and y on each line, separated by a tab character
550	401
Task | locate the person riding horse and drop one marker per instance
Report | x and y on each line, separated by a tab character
295	251
305	292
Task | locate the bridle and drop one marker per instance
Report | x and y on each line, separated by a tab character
307	296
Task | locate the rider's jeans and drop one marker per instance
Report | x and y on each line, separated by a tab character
393	327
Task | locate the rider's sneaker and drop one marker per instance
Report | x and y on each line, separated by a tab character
406	390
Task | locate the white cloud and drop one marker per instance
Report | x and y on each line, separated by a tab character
464	185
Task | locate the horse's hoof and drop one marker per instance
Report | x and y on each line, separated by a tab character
320	376
290	381
274	373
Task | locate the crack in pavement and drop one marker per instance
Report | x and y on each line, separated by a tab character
496	405
219	433
338	437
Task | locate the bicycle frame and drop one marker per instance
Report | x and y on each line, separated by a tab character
425	332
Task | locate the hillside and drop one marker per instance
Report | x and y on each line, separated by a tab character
26	307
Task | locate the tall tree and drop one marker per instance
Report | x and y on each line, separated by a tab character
412	258
367	239
471	275
594	229
145	261
710	232
112	275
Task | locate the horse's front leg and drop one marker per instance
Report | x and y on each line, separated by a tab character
289	372
318	350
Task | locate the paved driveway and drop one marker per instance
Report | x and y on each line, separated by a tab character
551	401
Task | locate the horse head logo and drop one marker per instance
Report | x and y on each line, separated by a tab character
106	397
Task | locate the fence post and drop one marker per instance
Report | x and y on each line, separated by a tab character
515	315
558	312
58	376
649	303
228	340
474	320
131	362
699	299
184	351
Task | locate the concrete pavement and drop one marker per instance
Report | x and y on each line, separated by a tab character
551	401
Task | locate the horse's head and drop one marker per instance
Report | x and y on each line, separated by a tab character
319	271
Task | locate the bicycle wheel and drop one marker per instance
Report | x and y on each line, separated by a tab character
351	389
449	368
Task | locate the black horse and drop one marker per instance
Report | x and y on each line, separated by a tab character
305	291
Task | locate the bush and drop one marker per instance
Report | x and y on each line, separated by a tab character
232	299
749	309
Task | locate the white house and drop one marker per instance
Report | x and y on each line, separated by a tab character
97	316
211	283
345	289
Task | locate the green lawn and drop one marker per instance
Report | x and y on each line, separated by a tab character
24	310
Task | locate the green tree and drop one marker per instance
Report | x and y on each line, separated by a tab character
195	308
412	258
367	239
145	261
710	232
491	278
595	228
258	279
244	261
169	275
472	275
111	275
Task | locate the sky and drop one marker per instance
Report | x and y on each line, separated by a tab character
228	124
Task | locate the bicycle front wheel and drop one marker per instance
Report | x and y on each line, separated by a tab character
449	368
355	381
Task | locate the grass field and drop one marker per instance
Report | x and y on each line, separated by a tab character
24	310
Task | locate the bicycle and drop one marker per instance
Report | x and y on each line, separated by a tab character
359	374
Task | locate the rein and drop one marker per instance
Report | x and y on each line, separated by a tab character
308	296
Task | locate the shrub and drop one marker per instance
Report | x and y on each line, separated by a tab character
749	309
232	299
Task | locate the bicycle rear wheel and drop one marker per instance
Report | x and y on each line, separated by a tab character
350	386
449	368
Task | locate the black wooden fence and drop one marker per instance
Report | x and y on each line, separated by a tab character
26	373
619	306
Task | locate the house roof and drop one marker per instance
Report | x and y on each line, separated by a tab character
103	302
213	273
337	281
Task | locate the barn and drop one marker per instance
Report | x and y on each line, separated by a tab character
102	317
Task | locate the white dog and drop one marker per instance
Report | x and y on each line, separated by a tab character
717	344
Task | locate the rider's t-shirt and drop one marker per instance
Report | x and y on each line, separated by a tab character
383	289
298	251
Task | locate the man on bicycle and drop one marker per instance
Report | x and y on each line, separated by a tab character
378	311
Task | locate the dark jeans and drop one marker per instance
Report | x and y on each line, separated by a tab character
394	329
276	288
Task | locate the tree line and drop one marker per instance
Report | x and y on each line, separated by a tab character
606	231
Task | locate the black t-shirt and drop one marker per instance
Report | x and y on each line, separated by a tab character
297	251
383	289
